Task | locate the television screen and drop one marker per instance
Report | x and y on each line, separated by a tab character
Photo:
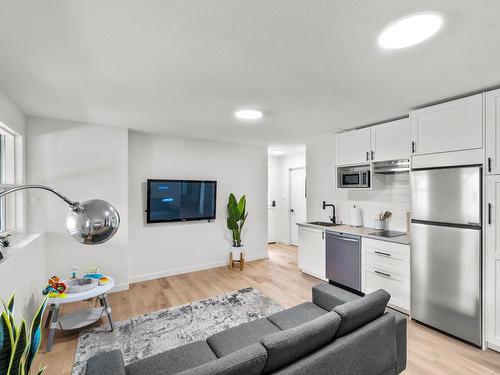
180	200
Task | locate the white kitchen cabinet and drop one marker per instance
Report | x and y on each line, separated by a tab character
492	144
391	140
312	255
386	265
353	147
450	126
492	263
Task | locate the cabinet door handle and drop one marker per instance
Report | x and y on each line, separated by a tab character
367	156
373	155
489	164
413	147
489	213
322	235
382	253
382	273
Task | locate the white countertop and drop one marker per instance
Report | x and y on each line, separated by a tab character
360	231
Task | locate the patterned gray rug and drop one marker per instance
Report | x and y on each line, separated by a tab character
153	333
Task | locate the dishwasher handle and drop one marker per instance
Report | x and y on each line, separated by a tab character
343	237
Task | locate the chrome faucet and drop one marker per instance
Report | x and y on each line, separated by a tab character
332	218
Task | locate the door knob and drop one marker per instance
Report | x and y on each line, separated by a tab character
291	210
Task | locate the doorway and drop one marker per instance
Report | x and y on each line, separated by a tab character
298	194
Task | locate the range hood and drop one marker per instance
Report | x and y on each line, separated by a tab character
392	166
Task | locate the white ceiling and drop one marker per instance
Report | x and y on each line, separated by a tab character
181	67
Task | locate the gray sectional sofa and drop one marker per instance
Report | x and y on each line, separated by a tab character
337	333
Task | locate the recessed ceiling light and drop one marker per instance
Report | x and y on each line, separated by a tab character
248	114
410	30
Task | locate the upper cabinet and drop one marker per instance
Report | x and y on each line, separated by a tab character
451	126
388	141
492	112
353	147
391	140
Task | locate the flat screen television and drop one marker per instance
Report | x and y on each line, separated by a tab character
180	200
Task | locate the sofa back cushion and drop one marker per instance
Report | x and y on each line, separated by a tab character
249	360
291	344
356	313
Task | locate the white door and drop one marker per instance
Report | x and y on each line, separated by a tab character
297	202
391	140
451	126
353	147
492	262
492	112
272	192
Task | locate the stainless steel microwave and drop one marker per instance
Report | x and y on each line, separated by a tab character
354	178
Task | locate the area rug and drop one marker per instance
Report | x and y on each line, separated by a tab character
156	332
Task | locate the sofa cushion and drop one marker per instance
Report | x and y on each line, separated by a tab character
106	363
356	313
291	344
173	361
233	339
329	296
296	315
249	361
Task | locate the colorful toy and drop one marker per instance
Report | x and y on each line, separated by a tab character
104	280
94	273
55	288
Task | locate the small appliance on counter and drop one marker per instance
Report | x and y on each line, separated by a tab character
356	217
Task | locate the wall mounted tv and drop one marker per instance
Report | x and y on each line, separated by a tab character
180	200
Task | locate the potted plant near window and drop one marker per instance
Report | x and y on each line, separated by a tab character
236	217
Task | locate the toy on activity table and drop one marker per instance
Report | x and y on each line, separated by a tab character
55	288
95	273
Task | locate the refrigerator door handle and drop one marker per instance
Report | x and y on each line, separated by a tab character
489	213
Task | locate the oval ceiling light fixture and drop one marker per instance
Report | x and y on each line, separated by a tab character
248	114
410	30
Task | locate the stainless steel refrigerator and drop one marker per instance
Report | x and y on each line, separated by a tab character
446	240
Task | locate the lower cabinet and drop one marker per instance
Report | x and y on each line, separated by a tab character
386	265
312	254
492	263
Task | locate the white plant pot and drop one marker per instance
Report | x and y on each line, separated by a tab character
236	251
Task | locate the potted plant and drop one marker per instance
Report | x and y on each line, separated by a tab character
236	217
19	346
4	243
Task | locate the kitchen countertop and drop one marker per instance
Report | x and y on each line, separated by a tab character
359	231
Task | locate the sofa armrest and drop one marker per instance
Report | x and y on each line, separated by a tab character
329	296
401	340
109	363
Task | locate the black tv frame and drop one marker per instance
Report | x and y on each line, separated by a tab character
148	185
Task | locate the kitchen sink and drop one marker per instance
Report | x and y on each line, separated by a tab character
323	223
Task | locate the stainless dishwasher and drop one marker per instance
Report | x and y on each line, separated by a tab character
343	260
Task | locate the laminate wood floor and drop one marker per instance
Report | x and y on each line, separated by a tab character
279	278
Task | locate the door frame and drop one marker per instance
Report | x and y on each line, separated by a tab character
290	224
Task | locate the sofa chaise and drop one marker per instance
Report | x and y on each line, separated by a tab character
337	333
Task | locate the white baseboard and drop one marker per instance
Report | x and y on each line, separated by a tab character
179	271
120	287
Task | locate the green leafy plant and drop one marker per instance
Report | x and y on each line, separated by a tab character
17	347
236	217
4	240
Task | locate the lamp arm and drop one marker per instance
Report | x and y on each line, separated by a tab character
74	205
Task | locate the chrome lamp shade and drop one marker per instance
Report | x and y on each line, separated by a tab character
91	222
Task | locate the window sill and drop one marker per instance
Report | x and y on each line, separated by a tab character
19	241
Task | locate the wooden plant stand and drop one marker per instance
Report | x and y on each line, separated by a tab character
232	261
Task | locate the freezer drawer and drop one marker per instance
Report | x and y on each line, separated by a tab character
446	279
447	195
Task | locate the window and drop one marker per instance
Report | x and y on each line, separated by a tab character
10	175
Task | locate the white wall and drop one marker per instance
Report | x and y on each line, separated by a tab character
170	248
321	186
81	161
282	166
